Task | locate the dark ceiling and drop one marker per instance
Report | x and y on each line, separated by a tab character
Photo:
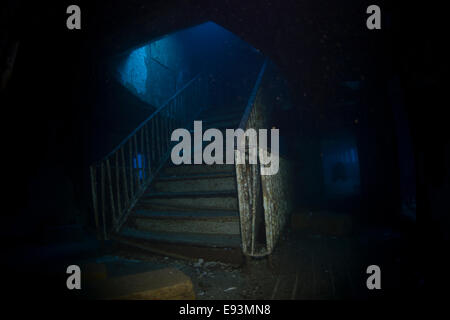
317	44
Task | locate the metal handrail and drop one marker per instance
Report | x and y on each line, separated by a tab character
120	178
162	107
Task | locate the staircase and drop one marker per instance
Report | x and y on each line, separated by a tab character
188	205
140	198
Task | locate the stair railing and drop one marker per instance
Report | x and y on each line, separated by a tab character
120	178
264	200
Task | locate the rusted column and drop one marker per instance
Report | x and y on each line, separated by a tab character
244	203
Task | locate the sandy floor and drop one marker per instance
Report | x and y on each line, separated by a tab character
302	267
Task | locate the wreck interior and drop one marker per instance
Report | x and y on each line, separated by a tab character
362	148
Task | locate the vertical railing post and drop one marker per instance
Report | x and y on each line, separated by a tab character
119	206
148	151
143	157
103	195
124	174
158	137
94	196
147	148
111	193
135	166
130	153
153	139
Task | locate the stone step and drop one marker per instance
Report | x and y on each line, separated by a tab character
221	117
194	194
220	124
206	143
200	176
162	284
218	112
222	129
200	182
189	169
231	256
194	239
217	200
198	215
212	222
211	226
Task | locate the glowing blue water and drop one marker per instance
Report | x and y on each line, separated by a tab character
139	163
133	72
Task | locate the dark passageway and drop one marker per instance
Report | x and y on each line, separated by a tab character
363	170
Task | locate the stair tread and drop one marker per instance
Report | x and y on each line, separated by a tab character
220	123
220	120
233	255
221	166
193	209
214	240
188	194
208	120
213	175
224	114
184	214
222	111
219	127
